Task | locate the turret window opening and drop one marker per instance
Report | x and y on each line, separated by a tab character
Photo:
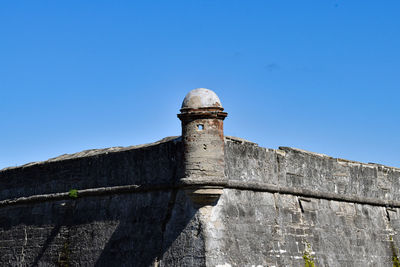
200	127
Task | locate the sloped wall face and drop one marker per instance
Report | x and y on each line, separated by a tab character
146	229
260	228
154	227
257	227
101	231
159	163
281	207
293	168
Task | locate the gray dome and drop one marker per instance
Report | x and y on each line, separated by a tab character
201	98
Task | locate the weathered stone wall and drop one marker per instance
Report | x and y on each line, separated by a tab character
119	229
160	226
275	229
260	228
157	163
295	168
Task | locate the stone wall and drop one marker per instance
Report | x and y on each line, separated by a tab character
109	229
295	168
262	218
256	227
260	228
156	163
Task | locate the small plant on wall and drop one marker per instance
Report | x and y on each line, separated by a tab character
308	258
73	193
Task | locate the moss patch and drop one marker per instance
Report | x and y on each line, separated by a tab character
73	193
308	258
395	258
63	259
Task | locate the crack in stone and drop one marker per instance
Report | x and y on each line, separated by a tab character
168	215
23	247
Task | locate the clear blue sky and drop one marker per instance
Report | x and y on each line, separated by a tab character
318	75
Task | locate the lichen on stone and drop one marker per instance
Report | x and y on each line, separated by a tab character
395	258
307	256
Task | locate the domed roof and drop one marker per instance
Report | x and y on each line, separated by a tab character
201	98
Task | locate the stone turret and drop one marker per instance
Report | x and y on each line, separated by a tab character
202	119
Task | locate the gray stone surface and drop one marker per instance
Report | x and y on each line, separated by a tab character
164	228
201	98
156	163
295	168
259	228
202	120
148	229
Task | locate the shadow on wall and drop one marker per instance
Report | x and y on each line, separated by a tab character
132	229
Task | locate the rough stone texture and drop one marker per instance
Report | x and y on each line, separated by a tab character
258	228
121	230
53	233
201	98
204	148
156	163
164	228
202	119
113	230
290	167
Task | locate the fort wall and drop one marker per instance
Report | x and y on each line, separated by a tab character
124	213
272	224
159	225
152	164
203	199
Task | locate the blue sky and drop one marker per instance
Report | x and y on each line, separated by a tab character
318	75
